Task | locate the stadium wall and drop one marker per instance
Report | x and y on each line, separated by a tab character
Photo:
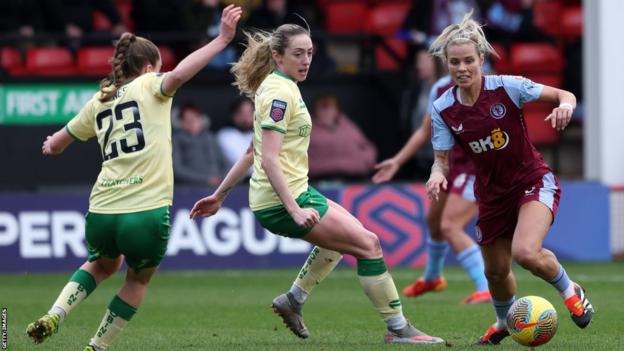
45	231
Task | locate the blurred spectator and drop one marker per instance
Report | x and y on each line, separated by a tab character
511	21
426	20
322	63
236	138
156	15
75	17
269	16
415	98
20	17
204	16
197	156
338	148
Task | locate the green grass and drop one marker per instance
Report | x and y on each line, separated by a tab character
229	310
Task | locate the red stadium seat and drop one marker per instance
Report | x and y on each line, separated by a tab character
501	63
346	17
95	60
10	59
572	22
384	61
386	18
541	132
101	23
535	57
547	16
168	58
50	61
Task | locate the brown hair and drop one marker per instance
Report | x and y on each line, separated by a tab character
132	53
256	61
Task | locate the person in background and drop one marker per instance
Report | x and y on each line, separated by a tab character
235	139
338	148
197	156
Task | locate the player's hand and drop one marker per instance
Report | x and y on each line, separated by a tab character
207	206
436	181
306	217
386	170
229	18
560	117
46	148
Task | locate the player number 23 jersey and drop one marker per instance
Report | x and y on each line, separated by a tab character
134	133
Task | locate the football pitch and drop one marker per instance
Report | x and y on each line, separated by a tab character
229	310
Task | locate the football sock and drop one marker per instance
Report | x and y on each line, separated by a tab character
80	285
472	261
118	314
501	308
319	264
381	291
562	283
435	262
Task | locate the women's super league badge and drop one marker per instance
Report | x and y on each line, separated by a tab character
278	109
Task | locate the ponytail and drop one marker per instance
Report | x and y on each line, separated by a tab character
132	53
254	64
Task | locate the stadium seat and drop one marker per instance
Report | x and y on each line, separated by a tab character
501	63
572	22
101	23
541	132
95	60
383	60
535	57
49	61
168	58
547	16
10	59
346	17
386	18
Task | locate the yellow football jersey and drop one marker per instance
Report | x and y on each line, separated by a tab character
134	133
279	106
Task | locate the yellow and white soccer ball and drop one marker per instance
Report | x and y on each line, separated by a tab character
532	321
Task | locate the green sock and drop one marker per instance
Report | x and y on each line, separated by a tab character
80	285
118	314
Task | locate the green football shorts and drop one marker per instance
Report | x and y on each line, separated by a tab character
278	221
141	237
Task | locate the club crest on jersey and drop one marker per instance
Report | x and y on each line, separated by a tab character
497	140
459	129
278	109
498	111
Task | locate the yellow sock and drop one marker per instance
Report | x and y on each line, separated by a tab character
117	316
379	286
319	264
80	285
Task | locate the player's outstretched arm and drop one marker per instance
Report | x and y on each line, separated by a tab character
439	171
209	205
387	168
194	62
56	143
560	115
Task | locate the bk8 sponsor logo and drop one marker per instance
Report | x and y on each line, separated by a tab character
497	140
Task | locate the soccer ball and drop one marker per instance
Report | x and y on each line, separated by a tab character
532	321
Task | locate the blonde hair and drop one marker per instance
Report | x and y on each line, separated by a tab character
468	31
132	53
256	62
